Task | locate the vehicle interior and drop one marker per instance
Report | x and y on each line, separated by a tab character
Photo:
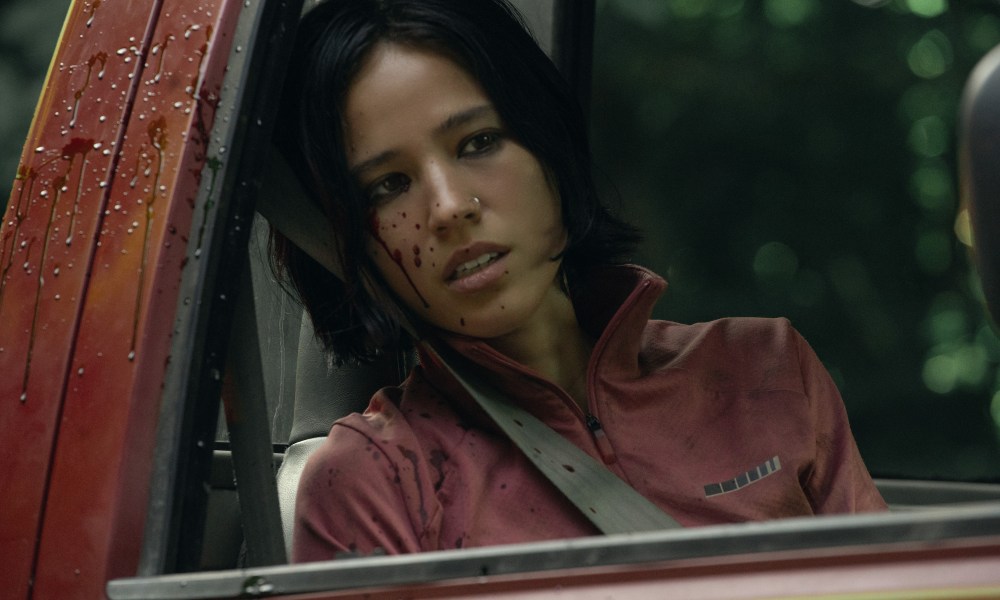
257	394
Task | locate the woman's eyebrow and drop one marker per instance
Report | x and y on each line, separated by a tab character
462	117
452	122
366	165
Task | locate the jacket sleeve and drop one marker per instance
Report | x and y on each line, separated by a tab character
360	495
839	482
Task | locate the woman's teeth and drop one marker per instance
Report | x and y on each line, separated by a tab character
474	265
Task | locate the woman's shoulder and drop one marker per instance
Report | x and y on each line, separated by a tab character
365	452
366	485
379	428
750	351
729	334
413	415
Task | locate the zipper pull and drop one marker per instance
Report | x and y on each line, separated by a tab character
593	424
603	445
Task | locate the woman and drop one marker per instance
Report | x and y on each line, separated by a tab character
453	165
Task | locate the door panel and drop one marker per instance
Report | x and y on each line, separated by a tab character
93	249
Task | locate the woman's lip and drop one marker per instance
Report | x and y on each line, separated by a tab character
481	278
471	252
468	268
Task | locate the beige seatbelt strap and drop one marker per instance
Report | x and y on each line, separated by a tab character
610	503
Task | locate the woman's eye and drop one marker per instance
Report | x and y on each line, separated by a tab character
480	143
388	187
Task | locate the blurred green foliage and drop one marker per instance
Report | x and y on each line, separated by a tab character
797	158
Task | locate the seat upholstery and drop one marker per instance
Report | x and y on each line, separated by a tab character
980	179
288	477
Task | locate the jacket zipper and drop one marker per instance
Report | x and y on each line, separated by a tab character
603	445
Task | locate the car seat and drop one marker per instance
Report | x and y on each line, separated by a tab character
979	148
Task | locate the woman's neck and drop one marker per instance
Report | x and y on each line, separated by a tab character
555	346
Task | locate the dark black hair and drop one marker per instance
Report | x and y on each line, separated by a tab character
488	39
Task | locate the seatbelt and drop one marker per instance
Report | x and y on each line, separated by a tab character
608	502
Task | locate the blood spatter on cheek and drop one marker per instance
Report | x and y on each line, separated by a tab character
416	256
375	229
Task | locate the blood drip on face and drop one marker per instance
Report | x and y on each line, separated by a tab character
397	257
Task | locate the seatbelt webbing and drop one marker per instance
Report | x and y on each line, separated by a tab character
610	503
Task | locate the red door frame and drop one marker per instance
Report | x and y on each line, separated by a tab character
93	247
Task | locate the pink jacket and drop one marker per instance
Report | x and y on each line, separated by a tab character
729	421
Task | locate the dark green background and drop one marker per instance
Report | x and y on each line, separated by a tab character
797	158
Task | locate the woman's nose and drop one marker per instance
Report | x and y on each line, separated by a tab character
451	207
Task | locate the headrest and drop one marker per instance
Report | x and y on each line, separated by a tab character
979	156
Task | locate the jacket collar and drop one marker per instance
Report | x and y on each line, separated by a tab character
612	304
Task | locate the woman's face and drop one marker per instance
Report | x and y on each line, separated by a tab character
464	223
